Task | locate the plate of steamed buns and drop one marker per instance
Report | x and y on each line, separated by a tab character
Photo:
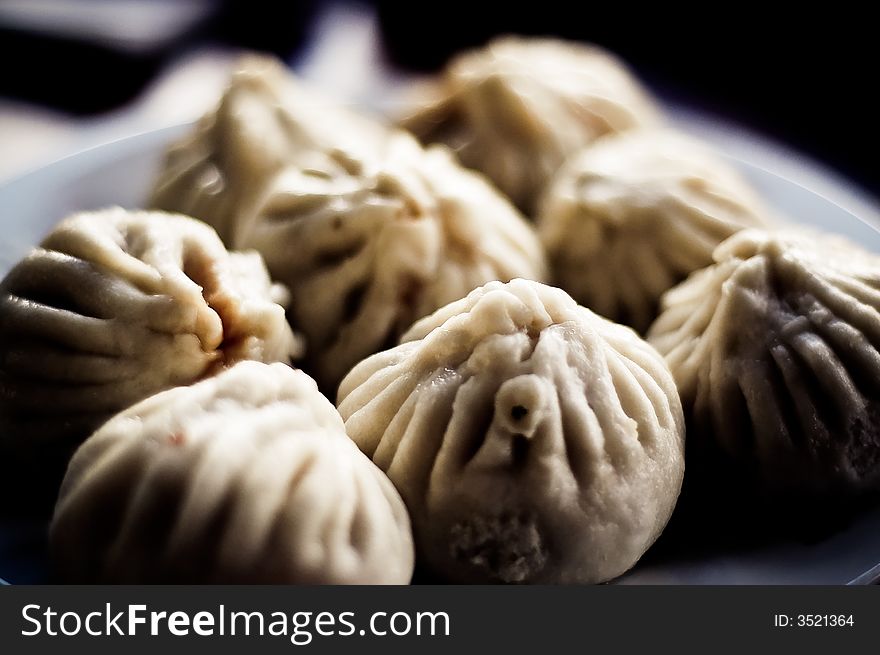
524	331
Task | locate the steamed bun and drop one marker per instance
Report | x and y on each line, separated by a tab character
633	215
532	440
246	477
264	118
775	352
114	306
370	247
517	108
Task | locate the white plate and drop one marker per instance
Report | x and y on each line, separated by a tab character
121	173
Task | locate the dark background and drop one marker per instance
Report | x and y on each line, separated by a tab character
806	76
